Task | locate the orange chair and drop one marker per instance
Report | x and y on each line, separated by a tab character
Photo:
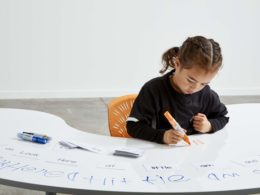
118	111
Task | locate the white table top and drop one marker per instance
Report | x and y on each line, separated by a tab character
228	160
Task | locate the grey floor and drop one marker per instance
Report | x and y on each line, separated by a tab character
86	114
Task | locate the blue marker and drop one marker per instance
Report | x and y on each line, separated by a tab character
32	138
37	135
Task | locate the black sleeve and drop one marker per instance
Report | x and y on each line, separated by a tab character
217	112
143	131
140	120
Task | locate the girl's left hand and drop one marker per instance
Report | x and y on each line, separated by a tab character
201	123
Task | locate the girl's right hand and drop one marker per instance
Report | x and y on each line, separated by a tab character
171	136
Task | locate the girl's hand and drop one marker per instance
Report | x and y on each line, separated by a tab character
201	123
172	136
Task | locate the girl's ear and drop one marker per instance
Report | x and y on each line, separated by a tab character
177	62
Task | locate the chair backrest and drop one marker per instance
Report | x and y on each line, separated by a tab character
118	111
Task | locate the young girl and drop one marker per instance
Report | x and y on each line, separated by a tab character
184	92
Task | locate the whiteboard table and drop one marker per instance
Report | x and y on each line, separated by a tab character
226	161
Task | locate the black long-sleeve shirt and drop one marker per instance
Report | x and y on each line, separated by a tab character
147	121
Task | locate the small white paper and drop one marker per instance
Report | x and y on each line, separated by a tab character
248	161
91	147
85	146
210	165
68	144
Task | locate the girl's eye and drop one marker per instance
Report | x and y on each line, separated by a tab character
190	81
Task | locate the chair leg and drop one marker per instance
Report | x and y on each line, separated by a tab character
50	193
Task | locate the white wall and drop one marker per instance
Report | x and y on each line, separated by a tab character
92	48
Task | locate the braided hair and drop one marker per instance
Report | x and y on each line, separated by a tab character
198	50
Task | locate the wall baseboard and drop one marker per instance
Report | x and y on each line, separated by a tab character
63	94
103	93
237	92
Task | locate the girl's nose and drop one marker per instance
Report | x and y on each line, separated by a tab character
194	86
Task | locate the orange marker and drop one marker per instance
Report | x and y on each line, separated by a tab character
176	126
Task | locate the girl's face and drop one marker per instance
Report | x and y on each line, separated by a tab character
188	81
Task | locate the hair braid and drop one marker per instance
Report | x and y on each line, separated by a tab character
195	51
